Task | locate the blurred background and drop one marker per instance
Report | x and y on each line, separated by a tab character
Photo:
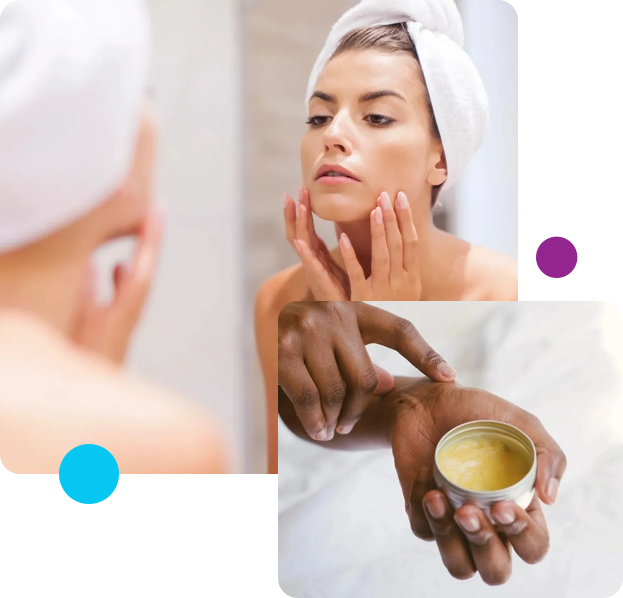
229	79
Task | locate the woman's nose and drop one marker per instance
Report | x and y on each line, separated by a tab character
337	135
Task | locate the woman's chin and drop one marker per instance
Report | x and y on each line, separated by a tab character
340	207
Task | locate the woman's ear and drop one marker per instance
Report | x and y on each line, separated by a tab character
438	171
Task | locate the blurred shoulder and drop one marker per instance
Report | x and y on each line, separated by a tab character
495	275
284	287
55	396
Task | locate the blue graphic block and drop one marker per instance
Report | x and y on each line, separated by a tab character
105	553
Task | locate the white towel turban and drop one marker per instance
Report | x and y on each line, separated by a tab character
73	77
456	90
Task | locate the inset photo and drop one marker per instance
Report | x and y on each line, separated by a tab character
434	448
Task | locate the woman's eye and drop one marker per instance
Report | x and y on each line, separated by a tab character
379	119
317	121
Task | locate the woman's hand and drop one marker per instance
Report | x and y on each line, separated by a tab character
326	280
107	329
466	539
325	370
395	264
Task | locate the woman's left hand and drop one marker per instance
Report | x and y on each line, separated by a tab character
395	263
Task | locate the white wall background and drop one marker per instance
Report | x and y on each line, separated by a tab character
486	209
191	335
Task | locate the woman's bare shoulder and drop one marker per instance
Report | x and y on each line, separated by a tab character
54	396
495	275
284	287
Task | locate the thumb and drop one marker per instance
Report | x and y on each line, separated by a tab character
385	383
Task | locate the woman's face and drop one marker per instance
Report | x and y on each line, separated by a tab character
369	116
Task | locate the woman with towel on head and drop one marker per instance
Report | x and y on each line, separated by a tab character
77	145
396	109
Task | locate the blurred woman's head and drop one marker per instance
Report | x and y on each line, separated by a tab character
370	118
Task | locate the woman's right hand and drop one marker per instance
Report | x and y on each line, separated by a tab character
325	370
326	279
466	539
107	329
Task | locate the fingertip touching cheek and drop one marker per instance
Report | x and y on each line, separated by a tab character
368	132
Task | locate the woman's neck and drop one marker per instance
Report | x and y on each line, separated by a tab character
46	279
442	256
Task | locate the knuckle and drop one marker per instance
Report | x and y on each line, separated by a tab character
405	329
306	399
368	380
288	344
335	394
516	528
482	539
444	528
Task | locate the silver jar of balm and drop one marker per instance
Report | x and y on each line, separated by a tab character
511	439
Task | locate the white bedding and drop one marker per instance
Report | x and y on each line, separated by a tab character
342	528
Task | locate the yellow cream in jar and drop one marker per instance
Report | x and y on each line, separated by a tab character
482	463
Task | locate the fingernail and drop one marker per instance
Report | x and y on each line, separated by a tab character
298	208
505	515
436	507
322	435
297	245
385	204
401	201
470	523
345	241
286	200
345	429
378	215
330	434
552	489
446	371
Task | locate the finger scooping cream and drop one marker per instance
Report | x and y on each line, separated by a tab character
484	462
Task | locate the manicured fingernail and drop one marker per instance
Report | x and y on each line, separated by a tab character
436	507
345	241
446	371
552	489
345	429
401	201
322	435
385	203
470	523
378	215
505	515
286	200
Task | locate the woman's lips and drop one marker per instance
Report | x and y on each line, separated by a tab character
335	180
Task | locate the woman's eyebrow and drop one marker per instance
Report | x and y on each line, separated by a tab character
375	95
366	97
324	96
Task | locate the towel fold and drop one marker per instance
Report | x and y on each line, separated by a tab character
457	93
73	77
